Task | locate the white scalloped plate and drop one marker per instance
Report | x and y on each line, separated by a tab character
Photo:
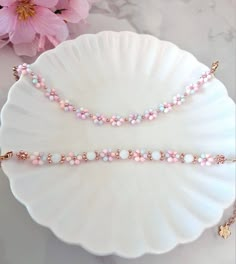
124	208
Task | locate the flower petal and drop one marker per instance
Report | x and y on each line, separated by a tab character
7	20
26	49
3	43
70	16
77	10
48	3
48	23
81	7
61	4
7	2
23	32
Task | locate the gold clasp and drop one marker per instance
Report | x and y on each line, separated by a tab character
214	66
6	156
15	73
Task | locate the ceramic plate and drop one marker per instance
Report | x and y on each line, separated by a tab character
125	208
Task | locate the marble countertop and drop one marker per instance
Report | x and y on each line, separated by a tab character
205	28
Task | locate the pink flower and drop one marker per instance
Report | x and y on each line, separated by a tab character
99	119
35	25
72	10
66	106
172	156
178	99
73	159
22	20
205	159
140	155
107	155
165	107
116	120
150	114
135	119
52	95
82	113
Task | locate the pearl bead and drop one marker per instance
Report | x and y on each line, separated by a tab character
91	155
188	158
156	155
56	158
124	154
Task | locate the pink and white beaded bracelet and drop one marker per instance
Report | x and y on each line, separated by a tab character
115	120
108	155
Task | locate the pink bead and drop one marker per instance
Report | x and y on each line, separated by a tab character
79	157
77	162
35	162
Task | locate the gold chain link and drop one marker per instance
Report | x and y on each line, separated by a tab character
15	73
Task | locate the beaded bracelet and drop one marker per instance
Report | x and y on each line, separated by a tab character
115	120
108	155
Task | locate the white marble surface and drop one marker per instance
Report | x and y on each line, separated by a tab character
206	28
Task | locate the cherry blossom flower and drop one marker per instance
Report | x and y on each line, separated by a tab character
23	21
35	25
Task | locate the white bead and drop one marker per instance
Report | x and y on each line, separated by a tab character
56	158
156	155
32	157
188	158
124	154
91	155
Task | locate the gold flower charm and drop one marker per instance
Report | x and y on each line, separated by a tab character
224	231
22	155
